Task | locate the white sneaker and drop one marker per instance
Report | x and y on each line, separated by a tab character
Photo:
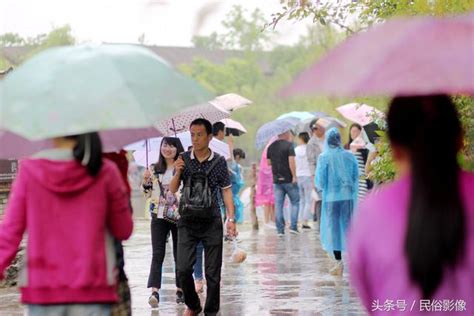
294	231
337	269
281	235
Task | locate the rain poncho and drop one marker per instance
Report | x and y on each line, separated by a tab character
237	184
337	176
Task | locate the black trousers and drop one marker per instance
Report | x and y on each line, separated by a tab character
189	235
159	231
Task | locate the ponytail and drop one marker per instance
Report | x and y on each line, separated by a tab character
429	129
88	151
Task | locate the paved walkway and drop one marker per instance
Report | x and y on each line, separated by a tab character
281	276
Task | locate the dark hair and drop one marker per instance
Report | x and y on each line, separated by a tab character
350	140
239	152
217	127
160	165
203	122
436	231
88	151
304	137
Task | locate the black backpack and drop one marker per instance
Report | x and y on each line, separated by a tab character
196	202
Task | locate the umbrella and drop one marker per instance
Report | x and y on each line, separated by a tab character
325	121
297	114
15	146
274	128
180	122
149	150
233	128
362	114
405	56
77	89
231	101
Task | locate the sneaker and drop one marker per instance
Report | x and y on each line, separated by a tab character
154	299
281	235
338	269
179	297
306	226
294	231
199	286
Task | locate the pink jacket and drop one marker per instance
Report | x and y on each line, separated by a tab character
69	217
378	265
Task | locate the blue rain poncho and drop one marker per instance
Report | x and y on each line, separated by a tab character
337	177
238	183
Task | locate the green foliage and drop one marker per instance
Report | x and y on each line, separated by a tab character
465	107
382	168
329	12
60	36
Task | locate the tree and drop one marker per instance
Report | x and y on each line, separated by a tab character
211	42
11	39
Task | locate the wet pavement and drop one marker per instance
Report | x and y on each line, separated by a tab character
281	276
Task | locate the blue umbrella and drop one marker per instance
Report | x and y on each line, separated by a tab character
274	128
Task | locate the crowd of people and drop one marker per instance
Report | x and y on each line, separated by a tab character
414	234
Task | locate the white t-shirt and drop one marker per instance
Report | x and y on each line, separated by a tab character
156	194
302	166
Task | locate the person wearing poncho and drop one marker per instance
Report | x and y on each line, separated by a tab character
337	176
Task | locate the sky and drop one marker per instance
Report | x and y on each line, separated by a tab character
164	22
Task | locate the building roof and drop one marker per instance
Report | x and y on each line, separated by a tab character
174	55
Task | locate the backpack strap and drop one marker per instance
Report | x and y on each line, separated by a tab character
217	158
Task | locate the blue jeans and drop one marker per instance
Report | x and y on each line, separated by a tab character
305	185
198	273
280	190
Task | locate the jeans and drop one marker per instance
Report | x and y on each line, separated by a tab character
69	310
198	274
280	191
211	235
159	231
305	185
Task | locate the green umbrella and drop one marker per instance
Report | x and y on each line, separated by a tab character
78	89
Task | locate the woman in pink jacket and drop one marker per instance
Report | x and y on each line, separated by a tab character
411	245
71	203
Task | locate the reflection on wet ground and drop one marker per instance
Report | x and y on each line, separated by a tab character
281	276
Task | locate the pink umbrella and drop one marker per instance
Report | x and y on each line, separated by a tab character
406	56
15	146
359	113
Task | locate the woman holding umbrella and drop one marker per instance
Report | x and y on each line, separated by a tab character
164	215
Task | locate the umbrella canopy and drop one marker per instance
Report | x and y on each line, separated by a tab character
180	122
362	114
405	56
149	153
274	128
15	146
325	121
297	114
77	89
233	127
231	101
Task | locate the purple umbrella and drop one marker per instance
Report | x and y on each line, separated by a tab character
406	56
274	128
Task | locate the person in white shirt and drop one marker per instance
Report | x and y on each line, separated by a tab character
305	180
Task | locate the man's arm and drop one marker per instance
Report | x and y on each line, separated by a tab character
228	202
292	162
176	180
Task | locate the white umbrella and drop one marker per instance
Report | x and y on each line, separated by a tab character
233	127
180	122
150	152
231	101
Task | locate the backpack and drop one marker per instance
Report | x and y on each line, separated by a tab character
196	202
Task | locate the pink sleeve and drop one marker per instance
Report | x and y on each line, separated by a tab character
358	264
14	223
119	214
